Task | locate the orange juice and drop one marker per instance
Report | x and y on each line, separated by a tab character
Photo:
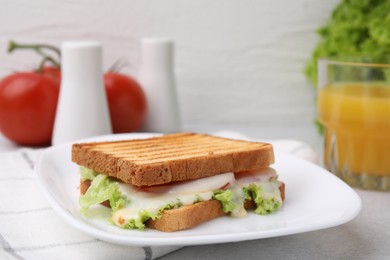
357	121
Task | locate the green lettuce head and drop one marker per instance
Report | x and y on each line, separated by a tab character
357	31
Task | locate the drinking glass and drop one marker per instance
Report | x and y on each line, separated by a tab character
354	108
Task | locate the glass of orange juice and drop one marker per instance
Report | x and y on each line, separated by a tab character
354	108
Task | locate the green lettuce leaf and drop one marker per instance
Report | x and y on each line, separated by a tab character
139	222
226	199
102	189
145	215
87	174
264	205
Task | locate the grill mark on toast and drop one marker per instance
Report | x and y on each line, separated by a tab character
167	151
172	157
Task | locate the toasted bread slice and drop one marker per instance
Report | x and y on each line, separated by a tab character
171	157
188	216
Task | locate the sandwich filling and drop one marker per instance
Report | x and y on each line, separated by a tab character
132	206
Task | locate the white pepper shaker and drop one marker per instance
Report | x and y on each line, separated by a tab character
157	78
82	109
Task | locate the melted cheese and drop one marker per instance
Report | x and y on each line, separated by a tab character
238	199
184	194
263	178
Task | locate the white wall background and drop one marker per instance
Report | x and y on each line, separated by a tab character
236	61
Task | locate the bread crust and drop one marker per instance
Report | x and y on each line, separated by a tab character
172	157
187	216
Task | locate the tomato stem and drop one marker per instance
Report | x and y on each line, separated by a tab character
119	65
42	64
38	48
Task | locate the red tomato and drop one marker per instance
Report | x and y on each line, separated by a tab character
28	102
127	102
52	73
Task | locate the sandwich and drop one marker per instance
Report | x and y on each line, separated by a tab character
177	181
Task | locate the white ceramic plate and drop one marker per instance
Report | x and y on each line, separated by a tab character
315	199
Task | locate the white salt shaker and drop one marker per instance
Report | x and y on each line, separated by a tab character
156	76
82	109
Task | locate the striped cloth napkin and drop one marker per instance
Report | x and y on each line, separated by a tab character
30	229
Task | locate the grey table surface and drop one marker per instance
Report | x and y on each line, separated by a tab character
365	237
